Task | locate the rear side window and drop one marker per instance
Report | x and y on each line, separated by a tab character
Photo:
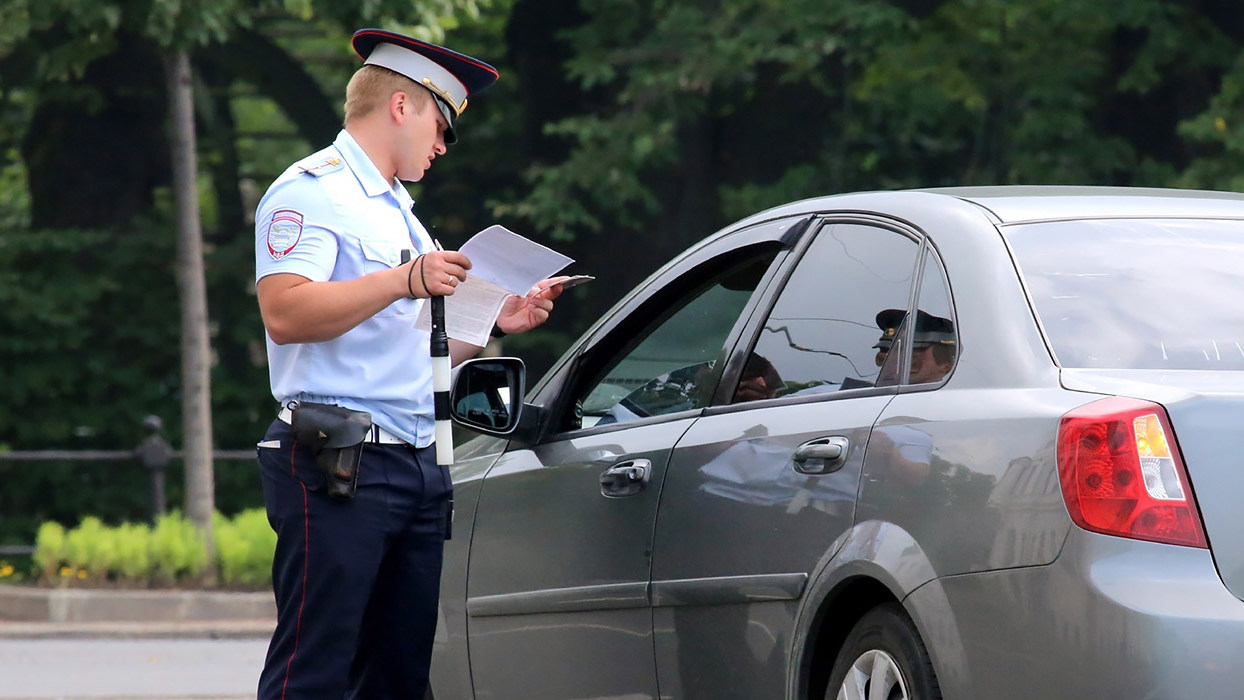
933	339
1137	293
826	331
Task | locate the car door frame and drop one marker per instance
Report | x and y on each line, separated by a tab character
583	367
781	586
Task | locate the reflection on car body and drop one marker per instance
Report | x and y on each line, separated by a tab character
960	443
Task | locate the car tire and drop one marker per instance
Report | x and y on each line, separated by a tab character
885	647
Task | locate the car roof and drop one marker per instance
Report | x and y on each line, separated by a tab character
1021	204
1014	204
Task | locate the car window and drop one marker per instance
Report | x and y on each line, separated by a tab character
825	331
1137	293
671	365
933	339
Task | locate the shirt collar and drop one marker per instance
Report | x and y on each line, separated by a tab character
403	196
356	158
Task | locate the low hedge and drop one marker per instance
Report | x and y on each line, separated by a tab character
171	553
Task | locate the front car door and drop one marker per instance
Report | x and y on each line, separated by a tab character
759	488
558	591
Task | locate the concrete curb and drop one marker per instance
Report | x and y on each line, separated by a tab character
213	629
27	612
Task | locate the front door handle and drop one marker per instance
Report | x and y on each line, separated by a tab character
625	478
821	456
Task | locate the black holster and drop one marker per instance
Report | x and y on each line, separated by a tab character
335	435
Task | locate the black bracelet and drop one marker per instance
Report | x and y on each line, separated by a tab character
497	332
423	280
409	273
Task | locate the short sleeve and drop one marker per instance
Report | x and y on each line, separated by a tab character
295	231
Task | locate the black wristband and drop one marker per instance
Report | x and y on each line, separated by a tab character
422	280
409	273
497	332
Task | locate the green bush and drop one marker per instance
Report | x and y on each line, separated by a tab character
95	547
133	551
136	555
244	548
176	549
49	550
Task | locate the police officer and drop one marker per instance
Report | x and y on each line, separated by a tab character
357	581
932	345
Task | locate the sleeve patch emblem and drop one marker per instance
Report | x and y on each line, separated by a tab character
284	231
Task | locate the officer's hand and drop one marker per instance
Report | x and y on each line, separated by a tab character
436	274
520	314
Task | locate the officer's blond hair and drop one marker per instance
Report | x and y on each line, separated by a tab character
371	87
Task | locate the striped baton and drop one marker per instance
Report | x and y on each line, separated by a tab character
443	435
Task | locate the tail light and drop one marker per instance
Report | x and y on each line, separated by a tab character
1121	473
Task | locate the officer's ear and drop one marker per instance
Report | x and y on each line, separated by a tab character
399	105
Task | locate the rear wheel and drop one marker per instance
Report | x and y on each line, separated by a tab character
883	659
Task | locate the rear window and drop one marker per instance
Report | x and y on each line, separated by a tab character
1137	293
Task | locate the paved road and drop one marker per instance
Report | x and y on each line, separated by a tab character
130	669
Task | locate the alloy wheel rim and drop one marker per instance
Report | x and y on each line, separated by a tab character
873	676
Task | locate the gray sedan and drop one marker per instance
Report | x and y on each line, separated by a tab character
961	443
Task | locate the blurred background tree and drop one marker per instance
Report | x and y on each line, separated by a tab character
87	72
620	132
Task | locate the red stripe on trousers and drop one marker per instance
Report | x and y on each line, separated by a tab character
306	539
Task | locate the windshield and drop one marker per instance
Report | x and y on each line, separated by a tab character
1137	293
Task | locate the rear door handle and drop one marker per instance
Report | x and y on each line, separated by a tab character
625	478
821	456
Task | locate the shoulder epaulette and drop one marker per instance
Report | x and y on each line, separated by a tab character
322	166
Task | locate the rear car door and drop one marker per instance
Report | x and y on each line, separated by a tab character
759	488
558	591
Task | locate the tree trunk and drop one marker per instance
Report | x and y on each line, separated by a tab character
192	292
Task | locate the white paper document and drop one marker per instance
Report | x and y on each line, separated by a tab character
502	263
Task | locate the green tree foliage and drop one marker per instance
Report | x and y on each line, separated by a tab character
749	103
1218	137
90	307
693	96
87	356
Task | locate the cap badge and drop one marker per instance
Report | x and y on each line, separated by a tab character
444	95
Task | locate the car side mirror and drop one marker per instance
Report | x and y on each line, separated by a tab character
487	394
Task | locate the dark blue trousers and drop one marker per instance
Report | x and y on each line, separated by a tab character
356	582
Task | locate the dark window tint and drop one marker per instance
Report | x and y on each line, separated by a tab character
1137	294
672	367
823	333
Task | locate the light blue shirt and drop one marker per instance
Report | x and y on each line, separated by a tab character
332	216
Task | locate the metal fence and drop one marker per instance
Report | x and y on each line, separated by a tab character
154	454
